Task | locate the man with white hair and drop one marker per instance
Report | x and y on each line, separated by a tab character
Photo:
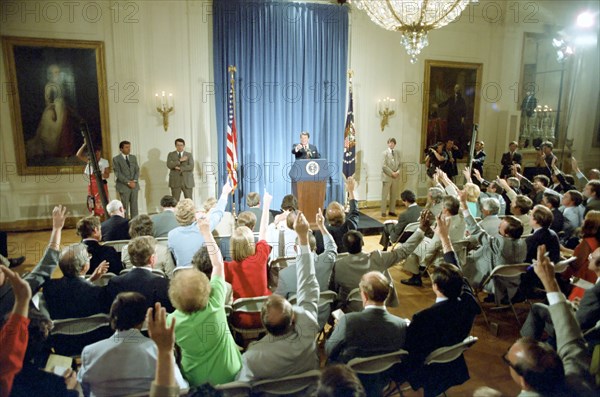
117	226
489	211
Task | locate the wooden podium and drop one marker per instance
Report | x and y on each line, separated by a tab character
309	181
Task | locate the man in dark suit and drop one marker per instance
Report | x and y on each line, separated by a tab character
552	201
392	231
304	150
457	110
117	226
72	296
142	253
370	332
91	233
127	173
540	221
447	322
510	158
478	158
592	194
181	174
165	221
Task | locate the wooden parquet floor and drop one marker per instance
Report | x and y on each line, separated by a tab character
483	359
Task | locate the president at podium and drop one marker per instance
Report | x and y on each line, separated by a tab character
304	150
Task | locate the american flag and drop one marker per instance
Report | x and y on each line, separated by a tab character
349	166
232	160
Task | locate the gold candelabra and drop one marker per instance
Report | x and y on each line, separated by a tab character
385	108
165	105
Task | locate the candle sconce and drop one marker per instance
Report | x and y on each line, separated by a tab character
386	109
165	105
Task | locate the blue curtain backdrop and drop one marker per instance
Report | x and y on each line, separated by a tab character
291	61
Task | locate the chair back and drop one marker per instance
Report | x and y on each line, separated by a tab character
377	364
448	354
103	280
325	298
234	389
354	296
407	232
117	244
287	385
79	326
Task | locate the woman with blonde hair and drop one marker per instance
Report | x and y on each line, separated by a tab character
247	272
472	191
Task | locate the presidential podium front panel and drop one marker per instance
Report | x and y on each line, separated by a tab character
309	182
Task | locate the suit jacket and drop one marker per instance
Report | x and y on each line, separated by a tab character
115	228
125	173
155	288
348	270
102	252
558	222
588	313
258	213
74	297
164	222
184	177
490	224
311	153
456	232
543	236
593	204
478	160
506	162
411	215
337	232
391	163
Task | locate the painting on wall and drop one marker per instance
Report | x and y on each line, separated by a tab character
56	88
450	103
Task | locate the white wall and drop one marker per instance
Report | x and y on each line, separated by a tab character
167	45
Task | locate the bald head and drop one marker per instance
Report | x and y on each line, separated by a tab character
375	287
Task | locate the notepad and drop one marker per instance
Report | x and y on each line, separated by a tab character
58	364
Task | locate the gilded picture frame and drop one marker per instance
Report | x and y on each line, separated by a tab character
56	88
447	115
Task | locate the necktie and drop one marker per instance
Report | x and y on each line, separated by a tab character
179	154
127	161
281	246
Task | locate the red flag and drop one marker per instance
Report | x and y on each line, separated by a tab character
232	160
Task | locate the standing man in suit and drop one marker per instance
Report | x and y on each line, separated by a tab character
390	175
392	231
304	150
478	158
181	176
127	173
165	221
510	158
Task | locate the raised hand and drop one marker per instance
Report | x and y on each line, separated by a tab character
99	271
425	220
227	187
204	225
320	219
59	217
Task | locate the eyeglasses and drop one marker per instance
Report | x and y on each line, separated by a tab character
507	362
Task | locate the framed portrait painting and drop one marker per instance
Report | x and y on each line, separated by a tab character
57	87
451	99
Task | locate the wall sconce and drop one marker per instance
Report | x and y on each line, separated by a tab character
386	109
165	105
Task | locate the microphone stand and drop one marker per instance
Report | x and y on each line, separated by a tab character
94	164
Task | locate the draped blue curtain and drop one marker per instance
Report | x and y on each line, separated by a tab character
291	61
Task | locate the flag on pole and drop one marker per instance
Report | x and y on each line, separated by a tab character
232	160
349	140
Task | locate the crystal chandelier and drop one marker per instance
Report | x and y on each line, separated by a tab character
414	18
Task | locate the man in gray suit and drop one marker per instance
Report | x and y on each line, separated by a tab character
390	175
127	173
348	270
392	231
165	221
181	176
290	346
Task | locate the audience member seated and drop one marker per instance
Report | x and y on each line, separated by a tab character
593	173
592	194
210	355
324	262
72	296
338	222
537	187
472	191
155	288
247	272
185	240
540	221
202	262
589	242
502	248
142	225
339	381
227	223
247	219
290	347
435	196
89	230
535	366
117	226
368	333
165	220
492	190
281	235
393	230
429	252
349	269
552	201
447	322
14	333
490	222
573	211
44	269
253	205
125	363
520	205
289	203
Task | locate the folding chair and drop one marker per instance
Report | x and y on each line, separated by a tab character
273	269
406	233
287	385
378	364
325	298
117	244
234	389
507	272
247	305
69	336
354	301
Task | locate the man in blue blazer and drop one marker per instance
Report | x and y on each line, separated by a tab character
127	173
